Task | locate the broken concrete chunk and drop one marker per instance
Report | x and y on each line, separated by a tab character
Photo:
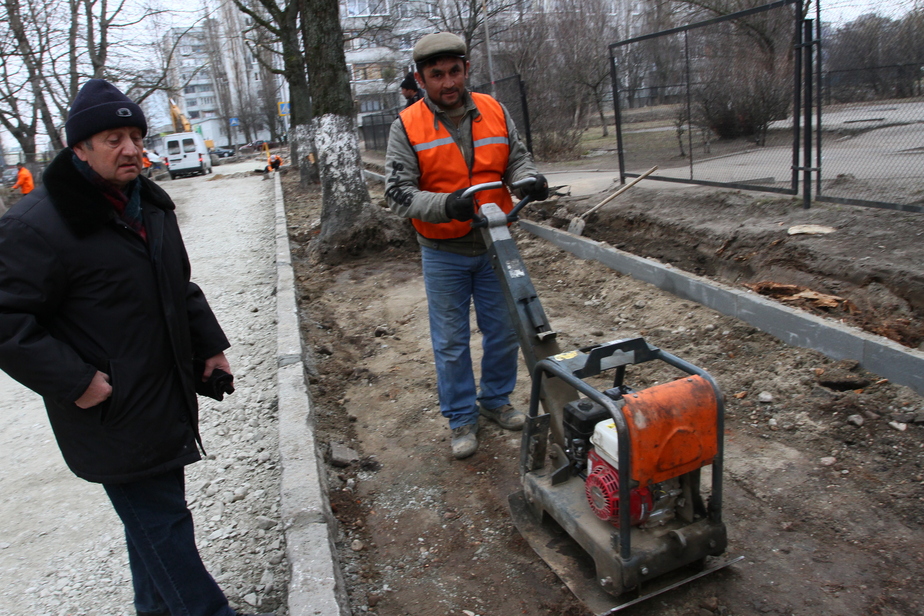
810	230
856	420
341	455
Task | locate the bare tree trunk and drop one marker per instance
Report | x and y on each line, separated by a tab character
283	23
33	59
349	223
301	142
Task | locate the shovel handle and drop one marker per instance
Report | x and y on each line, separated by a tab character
619	192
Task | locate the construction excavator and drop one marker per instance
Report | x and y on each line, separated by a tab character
180	123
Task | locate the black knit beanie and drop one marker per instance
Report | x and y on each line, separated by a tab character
410	83
101	106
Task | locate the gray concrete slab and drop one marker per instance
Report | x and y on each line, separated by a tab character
316	586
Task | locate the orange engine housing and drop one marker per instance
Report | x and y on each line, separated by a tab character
672	429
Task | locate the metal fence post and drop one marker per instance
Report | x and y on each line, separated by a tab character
526	125
796	95
620	152
819	97
686	49
807	43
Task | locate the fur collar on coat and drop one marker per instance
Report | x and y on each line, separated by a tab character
81	204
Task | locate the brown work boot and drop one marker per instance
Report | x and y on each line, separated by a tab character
465	440
506	416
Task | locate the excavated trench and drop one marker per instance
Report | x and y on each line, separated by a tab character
867	266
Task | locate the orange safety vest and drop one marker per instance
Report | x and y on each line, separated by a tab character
24	181
443	168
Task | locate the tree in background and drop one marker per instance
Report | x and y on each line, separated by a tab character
220	77
583	29
311	38
48	50
281	21
875	57
740	71
349	222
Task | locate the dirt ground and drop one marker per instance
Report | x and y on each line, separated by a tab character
828	514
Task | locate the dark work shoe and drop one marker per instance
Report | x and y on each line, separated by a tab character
249	614
506	416
465	440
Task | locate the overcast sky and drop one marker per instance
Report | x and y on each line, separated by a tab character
181	13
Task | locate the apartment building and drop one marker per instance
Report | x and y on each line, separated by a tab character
220	85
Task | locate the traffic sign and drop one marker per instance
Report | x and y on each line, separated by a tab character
234	121
284	108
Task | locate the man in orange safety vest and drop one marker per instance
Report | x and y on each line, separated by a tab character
438	147
24	180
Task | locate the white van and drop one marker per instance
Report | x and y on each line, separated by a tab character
187	154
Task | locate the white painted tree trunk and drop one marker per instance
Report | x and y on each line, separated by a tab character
302	147
347	218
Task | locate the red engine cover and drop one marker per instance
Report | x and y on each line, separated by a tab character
602	489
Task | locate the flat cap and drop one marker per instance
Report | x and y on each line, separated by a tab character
439	44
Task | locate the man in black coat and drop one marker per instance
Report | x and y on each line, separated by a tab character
98	315
410	90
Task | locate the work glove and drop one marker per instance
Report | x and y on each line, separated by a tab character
539	191
216	386
458	207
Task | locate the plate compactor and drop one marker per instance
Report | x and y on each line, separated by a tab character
611	495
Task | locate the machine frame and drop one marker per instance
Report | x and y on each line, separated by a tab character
624	558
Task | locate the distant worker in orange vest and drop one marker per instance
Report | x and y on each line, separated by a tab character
24	180
146	163
438	147
274	163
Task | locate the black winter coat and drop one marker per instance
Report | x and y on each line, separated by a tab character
81	292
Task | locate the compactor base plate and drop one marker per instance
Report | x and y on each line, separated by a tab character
576	568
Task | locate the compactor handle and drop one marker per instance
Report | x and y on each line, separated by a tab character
480	221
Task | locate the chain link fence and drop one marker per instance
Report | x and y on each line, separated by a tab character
712	102
765	98
871	132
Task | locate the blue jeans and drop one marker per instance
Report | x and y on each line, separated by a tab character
452	281
168	575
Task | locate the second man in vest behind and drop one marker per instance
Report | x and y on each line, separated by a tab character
438	147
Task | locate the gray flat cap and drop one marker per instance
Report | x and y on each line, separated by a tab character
439	44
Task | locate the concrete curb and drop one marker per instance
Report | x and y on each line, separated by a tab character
875	353
316	586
